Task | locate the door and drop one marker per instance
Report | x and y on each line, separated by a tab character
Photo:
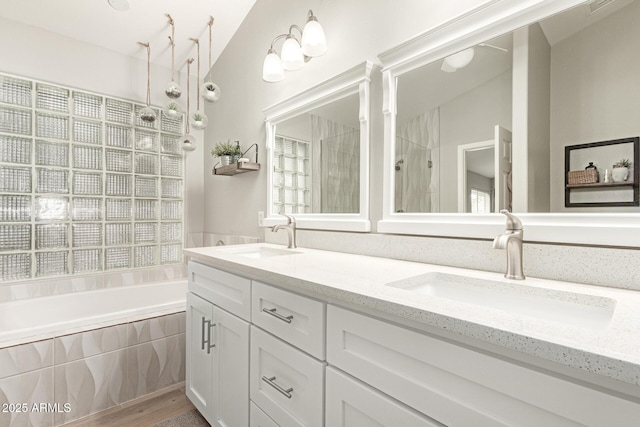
199	361
230	338
503	168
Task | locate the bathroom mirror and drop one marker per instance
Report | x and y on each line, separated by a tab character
512	83
318	144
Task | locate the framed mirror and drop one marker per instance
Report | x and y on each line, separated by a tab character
511	83
318	154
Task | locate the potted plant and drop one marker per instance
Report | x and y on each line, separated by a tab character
228	152
620	170
172	109
210	92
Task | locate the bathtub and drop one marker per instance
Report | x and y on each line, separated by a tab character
90	351
35	319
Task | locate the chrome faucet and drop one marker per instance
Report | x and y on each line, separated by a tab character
511	240
290	226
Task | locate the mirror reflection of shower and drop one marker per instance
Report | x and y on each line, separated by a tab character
413	177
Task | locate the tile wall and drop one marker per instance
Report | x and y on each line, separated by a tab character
51	382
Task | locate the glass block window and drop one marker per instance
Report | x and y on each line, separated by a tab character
85	186
292	176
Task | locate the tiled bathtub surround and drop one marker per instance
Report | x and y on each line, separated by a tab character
62	285
91	371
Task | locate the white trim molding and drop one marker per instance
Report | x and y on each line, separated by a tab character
356	80
487	21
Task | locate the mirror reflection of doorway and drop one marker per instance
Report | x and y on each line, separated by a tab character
483	174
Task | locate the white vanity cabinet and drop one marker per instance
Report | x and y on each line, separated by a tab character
351	403
217	364
459	386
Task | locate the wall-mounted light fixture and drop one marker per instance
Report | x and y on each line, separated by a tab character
294	53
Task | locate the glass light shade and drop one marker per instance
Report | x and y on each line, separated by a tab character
198	120
147	115
272	70
172	110
210	92
292	57
188	142
173	90
460	59
314	43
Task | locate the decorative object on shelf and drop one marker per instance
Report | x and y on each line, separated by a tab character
210	90
147	114
241	164
188	141
620	170
198	119
587	176
227	152
294	54
173	89
619	186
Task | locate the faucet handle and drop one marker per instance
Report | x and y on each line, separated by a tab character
290	219
513	222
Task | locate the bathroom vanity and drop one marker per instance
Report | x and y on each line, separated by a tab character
303	337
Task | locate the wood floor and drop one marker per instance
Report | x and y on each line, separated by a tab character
142	414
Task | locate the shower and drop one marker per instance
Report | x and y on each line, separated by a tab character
398	163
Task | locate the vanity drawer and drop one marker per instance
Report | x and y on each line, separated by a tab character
294	318
287	384
351	403
226	290
458	386
259	419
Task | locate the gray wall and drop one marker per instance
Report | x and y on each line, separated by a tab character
594	92
356	30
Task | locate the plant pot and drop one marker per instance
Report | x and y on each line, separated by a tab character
620	174
210	95
226	160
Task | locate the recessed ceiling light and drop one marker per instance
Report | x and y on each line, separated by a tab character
120	4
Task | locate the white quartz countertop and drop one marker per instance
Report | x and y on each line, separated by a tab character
610	349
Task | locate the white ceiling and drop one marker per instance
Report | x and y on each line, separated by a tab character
95	22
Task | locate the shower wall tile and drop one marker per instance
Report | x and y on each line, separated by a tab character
26	357
78	346
155	365
156	328
91	385
31	388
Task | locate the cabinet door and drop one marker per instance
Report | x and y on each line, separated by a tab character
230	336
351	403
199	361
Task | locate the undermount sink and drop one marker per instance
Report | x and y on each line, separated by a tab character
576	309
261	252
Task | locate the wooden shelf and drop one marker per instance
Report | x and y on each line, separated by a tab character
237	168
603	185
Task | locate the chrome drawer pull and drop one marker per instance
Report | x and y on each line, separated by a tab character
272	382
203	340
207	341
274	313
